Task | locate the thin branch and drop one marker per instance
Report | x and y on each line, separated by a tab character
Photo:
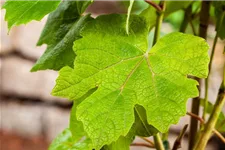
156	6
147	140
177	143
141	144
193	28
210	125
219	135
207	79
196	117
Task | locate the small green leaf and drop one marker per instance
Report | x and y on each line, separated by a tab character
61	54
75	126
141	126
61	30
65	141
125	73
22	12
128	15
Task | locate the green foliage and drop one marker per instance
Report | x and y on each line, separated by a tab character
22	12
127	73
171	6
121	86
61	30
220	18
65	141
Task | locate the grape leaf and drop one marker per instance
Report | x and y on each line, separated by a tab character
22	12
65	141
61	30
127	73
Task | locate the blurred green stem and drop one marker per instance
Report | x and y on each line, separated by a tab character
187	18
209	127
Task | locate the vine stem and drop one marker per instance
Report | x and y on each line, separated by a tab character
207	79
147	140
204	19
159	20
177	143
141	144
218	134
156	6
158	142
209	126
160	14
187	18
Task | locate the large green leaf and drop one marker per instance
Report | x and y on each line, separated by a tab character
127	73
22	12
61	30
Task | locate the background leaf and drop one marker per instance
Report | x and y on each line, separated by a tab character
22	12
65	141
61	30
220	18
150	14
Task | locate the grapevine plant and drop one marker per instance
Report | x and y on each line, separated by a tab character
122	81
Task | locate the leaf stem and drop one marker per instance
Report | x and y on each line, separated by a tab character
203	122
158	142
204	19
187	18
156	6
209	126
219	135
141	144
177	143
159	20
207	79
147	140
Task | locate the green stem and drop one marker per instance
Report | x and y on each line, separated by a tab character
187	18
159	21
204	19
207	132
158	142
207	79
210	66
